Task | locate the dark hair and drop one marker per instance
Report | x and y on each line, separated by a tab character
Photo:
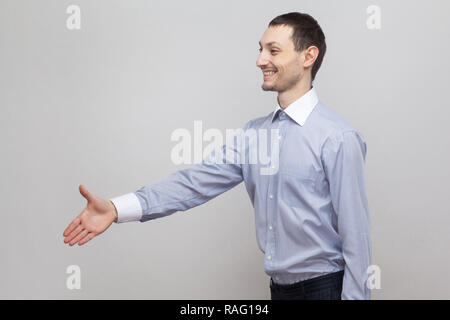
306	33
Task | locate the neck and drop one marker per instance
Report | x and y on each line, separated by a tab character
285	98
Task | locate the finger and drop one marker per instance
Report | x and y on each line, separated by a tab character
74	233
89	236
80	236
85	193
75	223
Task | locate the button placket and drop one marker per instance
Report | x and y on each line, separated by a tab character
270	209
271	195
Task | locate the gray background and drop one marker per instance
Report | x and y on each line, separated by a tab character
97	107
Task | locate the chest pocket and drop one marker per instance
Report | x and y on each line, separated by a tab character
300	168
298	180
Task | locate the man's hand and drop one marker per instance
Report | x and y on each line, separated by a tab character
98	215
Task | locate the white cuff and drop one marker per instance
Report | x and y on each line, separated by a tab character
128	208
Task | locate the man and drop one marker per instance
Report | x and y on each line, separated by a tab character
311	212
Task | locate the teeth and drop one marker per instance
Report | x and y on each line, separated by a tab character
269	73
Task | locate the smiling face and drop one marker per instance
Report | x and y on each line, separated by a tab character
281	65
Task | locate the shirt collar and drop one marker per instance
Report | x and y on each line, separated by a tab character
300	109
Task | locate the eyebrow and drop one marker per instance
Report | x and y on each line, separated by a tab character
270	43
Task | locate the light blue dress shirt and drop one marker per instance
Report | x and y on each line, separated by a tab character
310	205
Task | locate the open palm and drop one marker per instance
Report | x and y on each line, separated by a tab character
98	215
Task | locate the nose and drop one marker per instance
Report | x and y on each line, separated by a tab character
261	61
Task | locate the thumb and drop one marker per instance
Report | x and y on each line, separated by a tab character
85	193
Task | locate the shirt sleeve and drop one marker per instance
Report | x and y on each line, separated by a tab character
344	157
220	171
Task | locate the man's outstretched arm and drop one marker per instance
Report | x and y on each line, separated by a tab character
179	191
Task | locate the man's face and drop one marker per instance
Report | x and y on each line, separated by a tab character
278	56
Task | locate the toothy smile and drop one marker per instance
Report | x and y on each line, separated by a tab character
268	74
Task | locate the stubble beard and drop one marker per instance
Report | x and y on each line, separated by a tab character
270	87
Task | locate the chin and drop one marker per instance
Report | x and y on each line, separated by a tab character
268	87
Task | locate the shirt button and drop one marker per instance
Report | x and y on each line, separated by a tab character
271	196
279	137
269	257
270	227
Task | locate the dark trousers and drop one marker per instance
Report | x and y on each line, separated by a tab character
326	287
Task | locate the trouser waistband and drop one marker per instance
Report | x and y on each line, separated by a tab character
326	280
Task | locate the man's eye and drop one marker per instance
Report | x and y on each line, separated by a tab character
271	51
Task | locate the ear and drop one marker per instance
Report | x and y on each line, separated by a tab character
310	56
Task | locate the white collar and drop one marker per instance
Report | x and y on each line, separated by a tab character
300	109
